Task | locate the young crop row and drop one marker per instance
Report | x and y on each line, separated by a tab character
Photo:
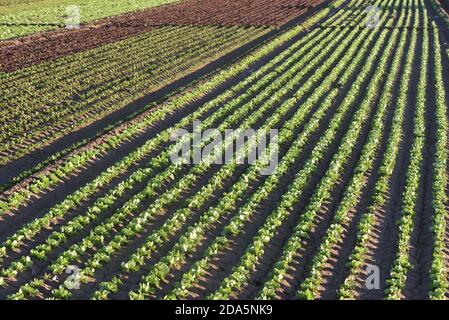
181	288
93	62
147	75
237	221
170	259
16	15
12	82
85	74
368	220
18	197
198	199
350	118
131	180
58	116
161	162
241	13
307	221
71	164
335	232
439	272
65	67
402	264
77	161
45	181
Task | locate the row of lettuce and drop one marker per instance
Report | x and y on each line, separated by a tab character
370	68
156	164
45	102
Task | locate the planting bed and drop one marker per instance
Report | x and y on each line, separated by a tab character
19	53
361	180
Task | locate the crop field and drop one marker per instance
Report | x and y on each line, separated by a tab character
355	205
23	17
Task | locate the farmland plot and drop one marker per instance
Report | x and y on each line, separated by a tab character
24	17
46	101
360	182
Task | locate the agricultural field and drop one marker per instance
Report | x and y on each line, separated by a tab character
350	97
24	17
